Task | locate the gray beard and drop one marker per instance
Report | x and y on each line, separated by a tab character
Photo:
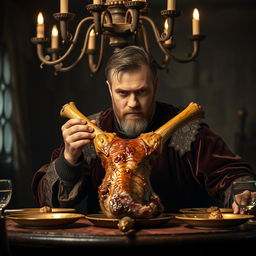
133	128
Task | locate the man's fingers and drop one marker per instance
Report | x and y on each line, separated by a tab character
72	122
235	208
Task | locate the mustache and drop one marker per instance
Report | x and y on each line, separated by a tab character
133	112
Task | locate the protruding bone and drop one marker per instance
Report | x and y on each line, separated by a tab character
69	110
191	112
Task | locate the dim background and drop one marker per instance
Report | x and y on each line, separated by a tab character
222	80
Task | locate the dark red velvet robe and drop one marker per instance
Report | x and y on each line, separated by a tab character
197	178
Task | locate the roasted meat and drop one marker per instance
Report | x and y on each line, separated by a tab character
126	188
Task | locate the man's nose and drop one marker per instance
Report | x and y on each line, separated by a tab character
133	101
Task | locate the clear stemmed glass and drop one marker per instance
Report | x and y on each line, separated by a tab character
5	194
248	204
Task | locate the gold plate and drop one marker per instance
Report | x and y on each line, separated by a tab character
201	220
203	210
101	220
45	219
36	210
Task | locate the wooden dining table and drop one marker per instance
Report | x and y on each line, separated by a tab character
84	235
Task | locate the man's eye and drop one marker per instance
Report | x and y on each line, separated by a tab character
122	93
141	92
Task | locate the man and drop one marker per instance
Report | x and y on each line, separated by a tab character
195	168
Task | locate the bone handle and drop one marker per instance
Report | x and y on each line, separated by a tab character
191	112
69	110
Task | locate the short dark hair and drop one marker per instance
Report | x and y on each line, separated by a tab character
128	59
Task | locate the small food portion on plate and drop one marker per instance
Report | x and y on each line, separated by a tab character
214	213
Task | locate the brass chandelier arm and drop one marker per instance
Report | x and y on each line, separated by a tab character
106	18
60	68
156	34
167	53
73	43
192	56
145	37
167	56
166	60
134	15
95	67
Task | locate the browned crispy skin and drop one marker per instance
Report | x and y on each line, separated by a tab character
126	189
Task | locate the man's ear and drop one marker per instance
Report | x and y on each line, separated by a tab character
109	87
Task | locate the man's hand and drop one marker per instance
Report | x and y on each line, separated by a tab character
242	199
76	133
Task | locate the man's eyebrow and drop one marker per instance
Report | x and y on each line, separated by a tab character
136	90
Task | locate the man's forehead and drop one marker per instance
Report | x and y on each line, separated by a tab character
118	73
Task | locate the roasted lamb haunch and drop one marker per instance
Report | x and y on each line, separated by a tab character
126	188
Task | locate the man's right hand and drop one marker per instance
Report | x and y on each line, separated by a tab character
76	133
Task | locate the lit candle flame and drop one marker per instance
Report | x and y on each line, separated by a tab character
196	14
54	37
55	31
169	41
166	25
91	44
40	18
92	33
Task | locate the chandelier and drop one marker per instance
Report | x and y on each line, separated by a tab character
120	23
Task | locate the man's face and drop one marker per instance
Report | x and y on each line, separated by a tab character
133	97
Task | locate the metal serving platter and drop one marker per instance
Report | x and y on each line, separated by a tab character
45	219
203	210
199	220
36	210
101	220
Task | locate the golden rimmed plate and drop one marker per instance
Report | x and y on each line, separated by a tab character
101	220
202	220
45	219
36	210
203	210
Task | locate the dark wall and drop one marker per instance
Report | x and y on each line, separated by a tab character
222	80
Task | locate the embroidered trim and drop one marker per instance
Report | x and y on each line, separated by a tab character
181	139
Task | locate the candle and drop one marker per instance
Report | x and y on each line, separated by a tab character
40	25
64	6
171	5
195	22
96	1
54	42
169	41
91	44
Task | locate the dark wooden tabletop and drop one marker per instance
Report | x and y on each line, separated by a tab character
83	235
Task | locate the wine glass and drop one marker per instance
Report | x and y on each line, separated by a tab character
244	195
5	194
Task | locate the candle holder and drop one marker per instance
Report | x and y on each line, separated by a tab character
63	19
53	52
137	5
96	10
170	13
196	37
39	40
122	22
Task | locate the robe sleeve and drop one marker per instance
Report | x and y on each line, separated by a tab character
215	165
49	189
